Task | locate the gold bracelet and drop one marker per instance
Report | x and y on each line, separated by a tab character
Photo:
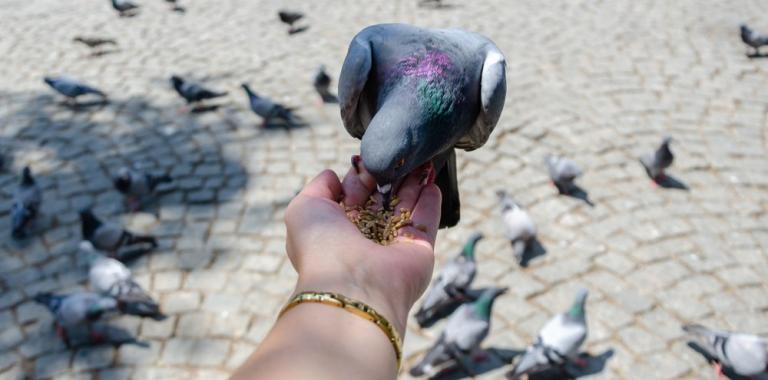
355	307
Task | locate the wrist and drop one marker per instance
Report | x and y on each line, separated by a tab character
395	313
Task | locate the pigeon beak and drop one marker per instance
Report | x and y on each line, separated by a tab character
500	291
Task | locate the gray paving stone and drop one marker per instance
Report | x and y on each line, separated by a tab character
93	358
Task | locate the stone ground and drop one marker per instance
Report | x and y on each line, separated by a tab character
601	81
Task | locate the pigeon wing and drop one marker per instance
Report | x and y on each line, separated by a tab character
493	91
354	75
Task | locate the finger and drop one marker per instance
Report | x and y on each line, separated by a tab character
425	217
325	185
409	191
358	184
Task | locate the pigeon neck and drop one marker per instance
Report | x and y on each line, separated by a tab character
483	306
90	224
469	250
577	309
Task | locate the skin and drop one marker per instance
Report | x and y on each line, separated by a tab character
314	341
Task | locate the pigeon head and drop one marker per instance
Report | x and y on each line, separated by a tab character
123	180
507	203
484	304
248	90
469	247
176	81
88	222
26	176
421	111
577	310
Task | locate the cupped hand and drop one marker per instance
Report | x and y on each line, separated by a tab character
330	254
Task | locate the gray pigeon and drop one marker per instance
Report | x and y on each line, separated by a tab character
110	237
26	204
290	18
413	95
322	84
111	277
267	109
124	7
563	172
655	163
746	354
518	226
193	92
558	342
136	185
753	39
71	88
75	309
465	331
452	282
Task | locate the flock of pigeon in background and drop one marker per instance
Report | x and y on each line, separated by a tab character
113	290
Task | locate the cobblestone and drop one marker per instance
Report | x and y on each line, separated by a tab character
598	89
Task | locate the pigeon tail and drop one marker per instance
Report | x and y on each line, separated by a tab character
447	181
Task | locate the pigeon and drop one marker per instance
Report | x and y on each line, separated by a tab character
746	354
94	42
74	309
753	39
136	185
563	172
413	95
110	237
322	83
435	3
465	331
452	282
124	7
111	277
71	88
175	6
558	342
290	17
26	204
517	224
193	92
268	109
655	163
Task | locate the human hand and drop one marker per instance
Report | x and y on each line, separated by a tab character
330	254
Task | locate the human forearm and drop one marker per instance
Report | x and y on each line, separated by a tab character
317	341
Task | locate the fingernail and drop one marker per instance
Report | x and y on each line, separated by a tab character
356	163
424	178
431	177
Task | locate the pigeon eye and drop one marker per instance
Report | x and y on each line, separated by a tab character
400	163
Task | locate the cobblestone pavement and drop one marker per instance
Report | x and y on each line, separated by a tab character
599	80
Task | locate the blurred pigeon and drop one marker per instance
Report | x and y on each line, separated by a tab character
289	17
110	237
268	109
746	354
655	163
322	83
111	277
193	92
465	331
76	308
175	6
26	204
558	342
71	88
94	42
753	39
518	225
413	95
136	185
452	282
124	7
436	3
563	172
